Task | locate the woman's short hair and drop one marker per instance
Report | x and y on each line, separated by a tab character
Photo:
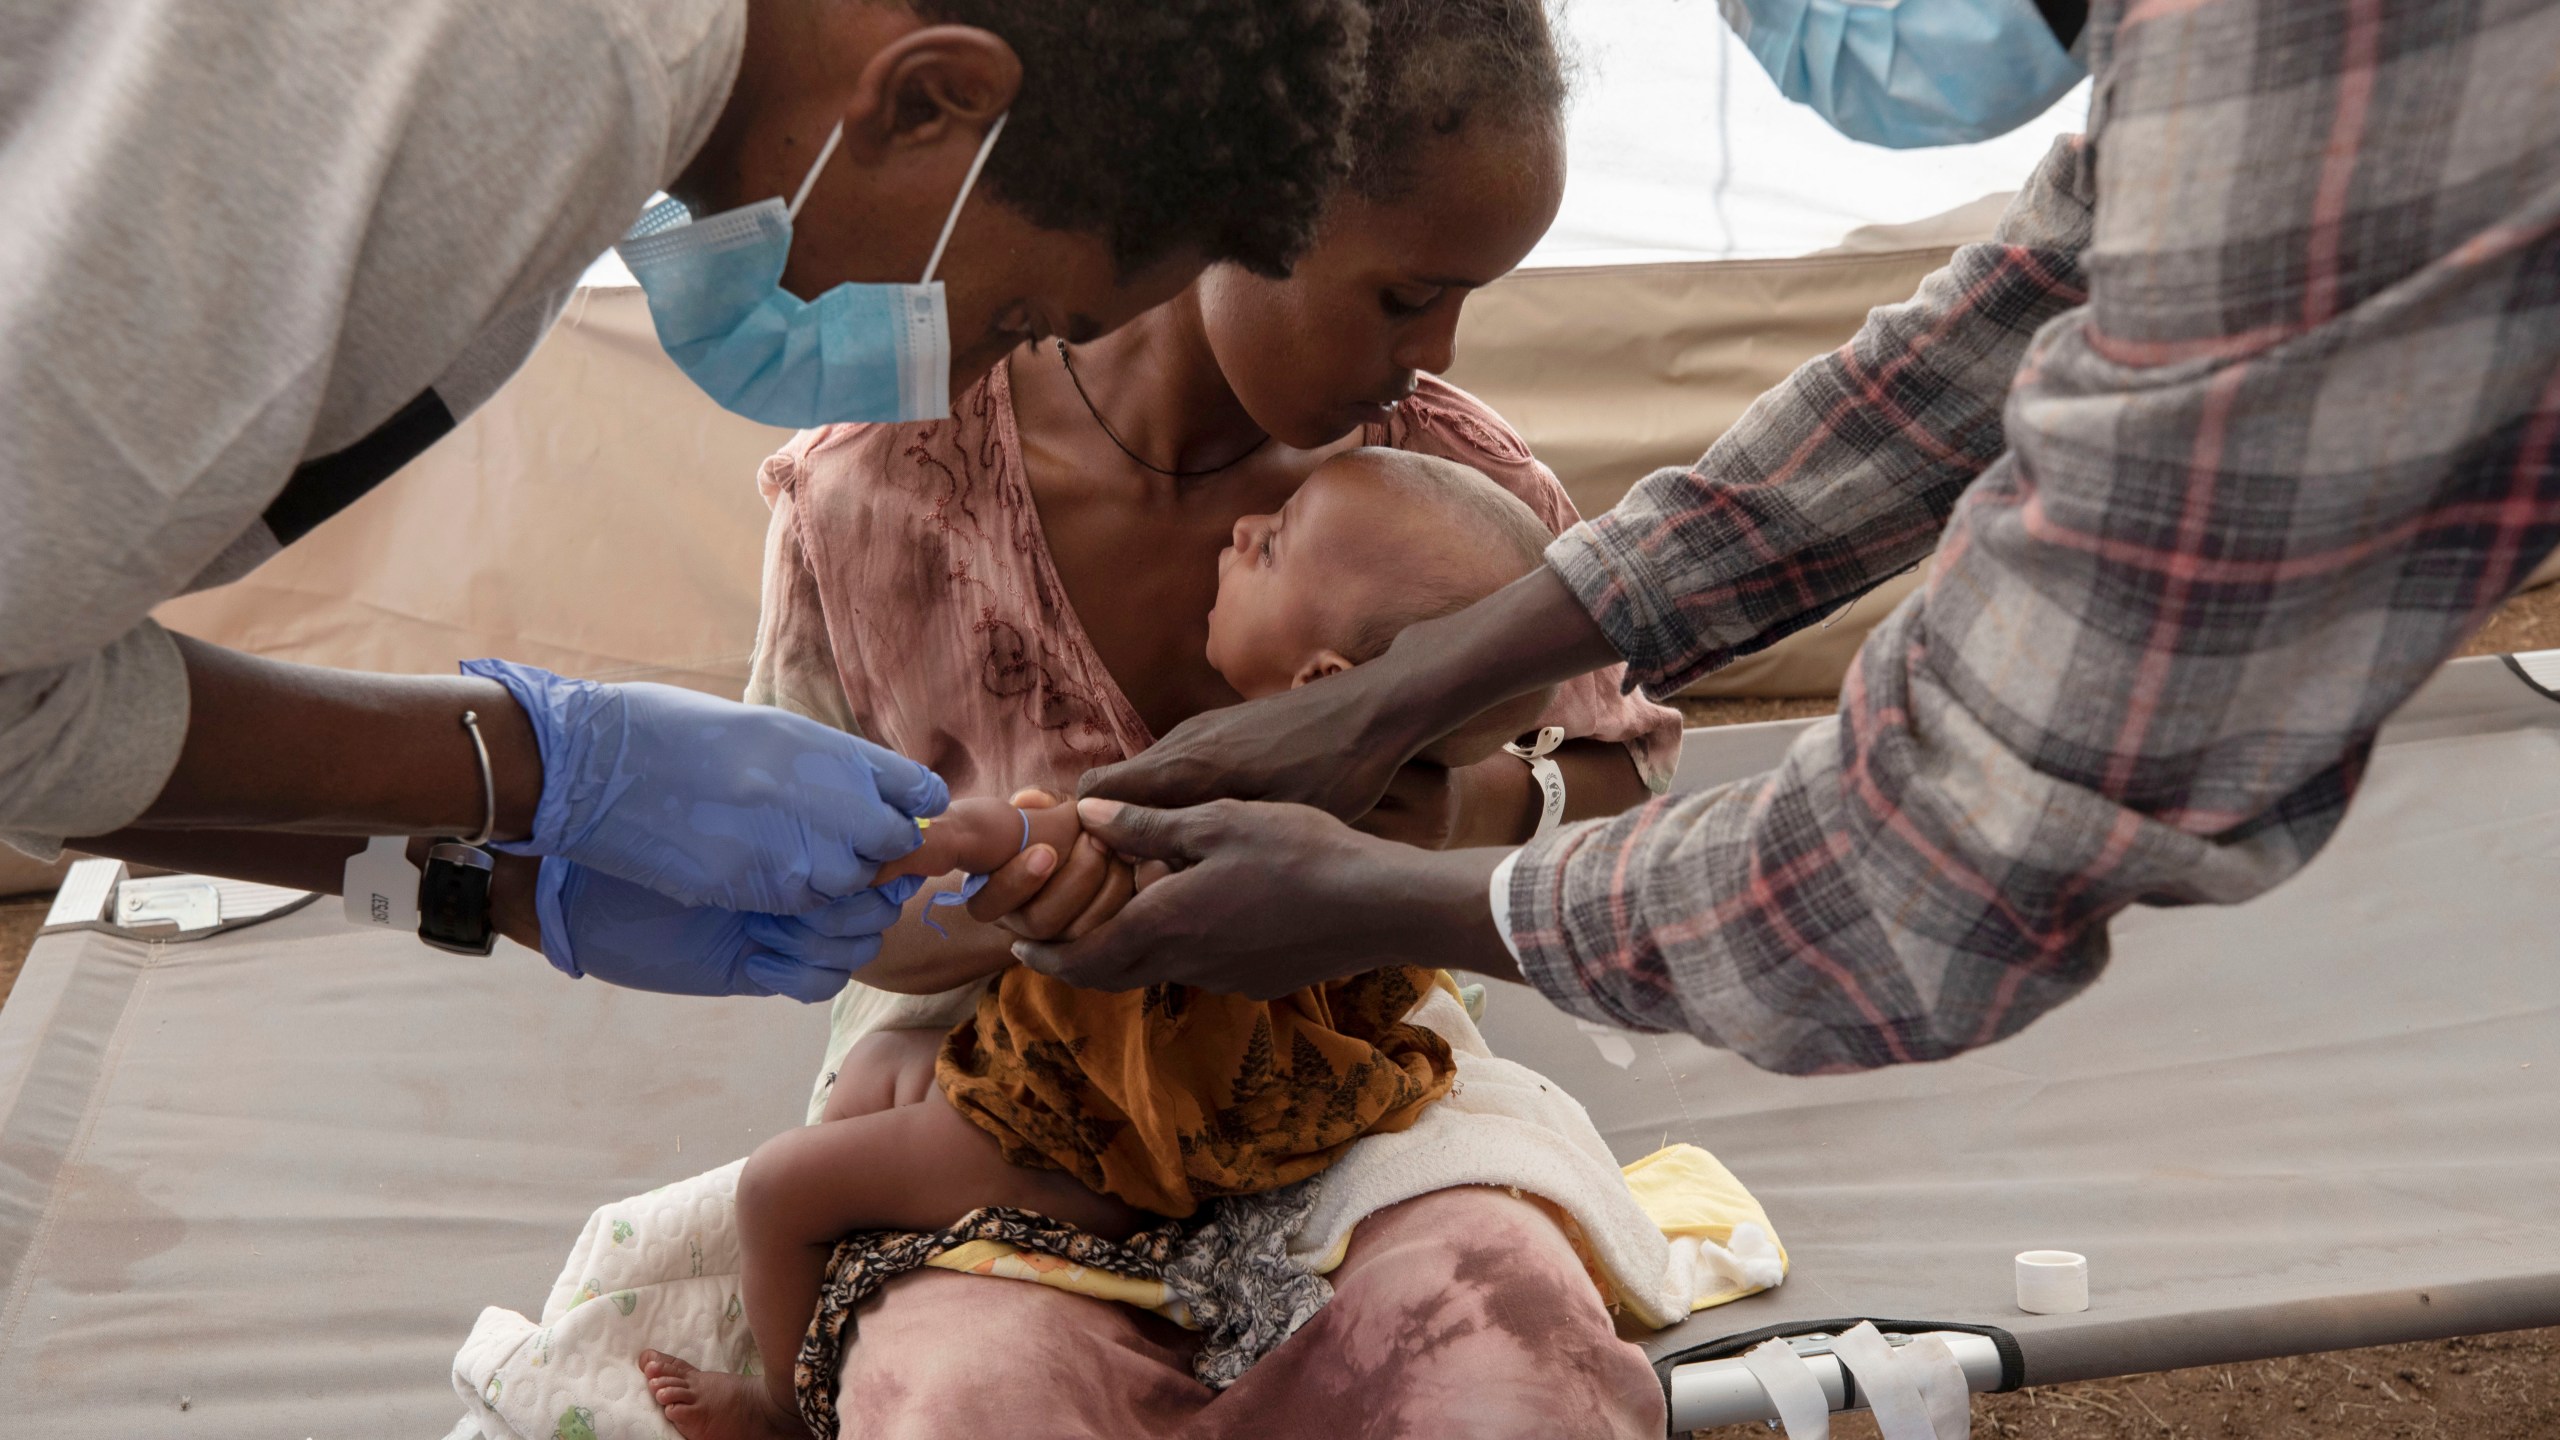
1163	124
1437	66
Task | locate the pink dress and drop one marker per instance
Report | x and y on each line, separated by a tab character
909	597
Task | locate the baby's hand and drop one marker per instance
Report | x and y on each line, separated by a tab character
1059	895
980	836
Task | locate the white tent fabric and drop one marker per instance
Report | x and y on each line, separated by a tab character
600	516
1681	148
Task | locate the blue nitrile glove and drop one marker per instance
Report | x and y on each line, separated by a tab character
743	807
629	935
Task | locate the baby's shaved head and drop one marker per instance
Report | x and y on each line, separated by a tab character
1376	540
1445	538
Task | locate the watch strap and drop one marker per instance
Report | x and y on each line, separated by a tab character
453	899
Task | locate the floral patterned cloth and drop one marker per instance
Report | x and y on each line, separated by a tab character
1228	1274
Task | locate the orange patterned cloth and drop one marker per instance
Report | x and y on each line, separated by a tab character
1171	1096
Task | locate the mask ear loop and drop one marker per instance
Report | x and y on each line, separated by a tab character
951	221
809	181
966	185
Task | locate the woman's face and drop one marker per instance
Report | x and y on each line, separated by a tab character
1376	298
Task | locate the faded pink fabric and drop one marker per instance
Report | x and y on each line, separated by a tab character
909	597
1458	1313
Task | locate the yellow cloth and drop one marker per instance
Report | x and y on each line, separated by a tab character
1689	1192
1009	1262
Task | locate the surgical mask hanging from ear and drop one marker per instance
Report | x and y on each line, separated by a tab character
856	353
1909	73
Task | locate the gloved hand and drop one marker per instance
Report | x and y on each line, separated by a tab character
629	935
710	802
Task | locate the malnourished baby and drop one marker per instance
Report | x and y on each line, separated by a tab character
1109	1111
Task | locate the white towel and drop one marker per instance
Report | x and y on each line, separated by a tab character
1504	1124
655	1271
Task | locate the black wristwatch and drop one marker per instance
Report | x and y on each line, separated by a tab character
453	899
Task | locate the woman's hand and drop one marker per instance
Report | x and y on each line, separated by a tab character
1037	897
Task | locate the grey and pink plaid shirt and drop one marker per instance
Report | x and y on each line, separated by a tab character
2243	420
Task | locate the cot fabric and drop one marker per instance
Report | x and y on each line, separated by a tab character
2285	332
909	596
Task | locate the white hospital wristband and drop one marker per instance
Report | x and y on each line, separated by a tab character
1546	775
1501	897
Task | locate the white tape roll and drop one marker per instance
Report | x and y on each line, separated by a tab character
2053	1282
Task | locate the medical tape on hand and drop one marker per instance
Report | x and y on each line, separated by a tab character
970	887
1802	1407
1903	1388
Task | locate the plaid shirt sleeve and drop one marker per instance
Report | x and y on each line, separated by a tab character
2298	440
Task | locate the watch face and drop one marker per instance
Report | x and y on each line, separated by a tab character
453	900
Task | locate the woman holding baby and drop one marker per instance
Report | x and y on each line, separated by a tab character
1103	541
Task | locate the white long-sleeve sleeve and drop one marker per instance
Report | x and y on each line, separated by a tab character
86	745
240	237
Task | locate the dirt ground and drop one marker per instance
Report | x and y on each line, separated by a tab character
2477	1387
2482	1387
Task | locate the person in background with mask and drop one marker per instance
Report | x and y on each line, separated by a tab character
1923	72
260	256
2246	416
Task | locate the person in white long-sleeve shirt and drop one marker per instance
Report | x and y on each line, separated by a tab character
258	256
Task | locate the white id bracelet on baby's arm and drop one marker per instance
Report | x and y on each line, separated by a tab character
1548	775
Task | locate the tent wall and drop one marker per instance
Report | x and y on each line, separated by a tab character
600	517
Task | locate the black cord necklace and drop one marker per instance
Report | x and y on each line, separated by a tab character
1140	460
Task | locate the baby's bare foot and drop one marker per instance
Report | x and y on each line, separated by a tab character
714	1404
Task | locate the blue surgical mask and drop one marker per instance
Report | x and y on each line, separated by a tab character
857	352
1908	73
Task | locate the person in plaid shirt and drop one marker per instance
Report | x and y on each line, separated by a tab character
2247	415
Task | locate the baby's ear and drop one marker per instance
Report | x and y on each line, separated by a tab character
1325	662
